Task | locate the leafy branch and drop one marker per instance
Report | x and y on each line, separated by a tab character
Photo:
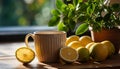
79	15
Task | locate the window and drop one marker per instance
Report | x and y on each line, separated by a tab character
25	12
19	17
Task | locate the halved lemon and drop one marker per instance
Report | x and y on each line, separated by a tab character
68	54
25	54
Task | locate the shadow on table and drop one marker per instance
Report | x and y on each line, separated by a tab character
111	63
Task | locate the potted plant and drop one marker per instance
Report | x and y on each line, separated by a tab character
103	22
95	15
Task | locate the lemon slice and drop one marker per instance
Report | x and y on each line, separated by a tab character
68	54
25	54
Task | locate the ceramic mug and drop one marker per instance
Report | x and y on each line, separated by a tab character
47	44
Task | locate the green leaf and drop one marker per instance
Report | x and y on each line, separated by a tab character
61	27
75	2
83	7
81	29
59	4
64	9
79	1
54	21
55	12
71	7
82	18
91	9
71	14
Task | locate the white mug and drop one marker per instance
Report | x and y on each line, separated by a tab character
47	44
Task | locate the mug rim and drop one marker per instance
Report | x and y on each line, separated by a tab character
49	32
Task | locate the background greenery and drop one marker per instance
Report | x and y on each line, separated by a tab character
25	12
78	16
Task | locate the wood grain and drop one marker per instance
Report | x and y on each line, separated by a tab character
10	62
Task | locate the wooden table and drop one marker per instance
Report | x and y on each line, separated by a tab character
8	60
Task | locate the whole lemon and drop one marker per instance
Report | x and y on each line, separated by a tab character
71	38
74	44
84	40
98	52
110	46
84	54
89	45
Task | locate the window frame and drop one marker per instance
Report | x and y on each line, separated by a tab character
12	34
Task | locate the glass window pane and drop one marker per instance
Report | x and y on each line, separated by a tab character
25	12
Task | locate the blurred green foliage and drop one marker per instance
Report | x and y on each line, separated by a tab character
25	12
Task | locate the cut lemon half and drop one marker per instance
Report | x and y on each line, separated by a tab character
68	54
25	54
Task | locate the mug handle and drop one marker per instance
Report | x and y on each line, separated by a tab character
27	37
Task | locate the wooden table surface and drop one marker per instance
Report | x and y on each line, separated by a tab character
8	60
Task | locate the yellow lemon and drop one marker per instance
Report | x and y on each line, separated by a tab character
74	44
84	40
25	54
89	45
110	46
68	54
84	54
71	38
98	52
